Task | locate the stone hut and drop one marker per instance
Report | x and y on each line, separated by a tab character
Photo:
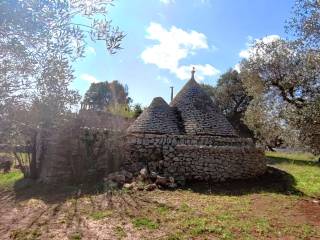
191	139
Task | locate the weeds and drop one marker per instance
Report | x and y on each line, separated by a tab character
98	215
145	223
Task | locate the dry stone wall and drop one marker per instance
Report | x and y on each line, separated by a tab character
80	157
195	157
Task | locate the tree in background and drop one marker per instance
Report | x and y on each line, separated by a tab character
279	74
38	41
283	77
232	99
305	23
267	119
105	96
137	110
281	68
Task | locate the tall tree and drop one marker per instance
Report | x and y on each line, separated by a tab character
38	42
137	110
281	72
305	23
282	68
100	96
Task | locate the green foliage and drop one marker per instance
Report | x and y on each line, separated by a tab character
266	121
308	121
184	207
98	215
25	234
75	236
137	110
39	42
145	223
120	232
7	180
163	209
283	79
230	94
284	83
121	110
305	22
104	95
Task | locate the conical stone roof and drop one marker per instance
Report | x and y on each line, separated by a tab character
158	118
199	114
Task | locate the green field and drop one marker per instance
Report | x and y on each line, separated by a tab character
282	204
7	180
304	167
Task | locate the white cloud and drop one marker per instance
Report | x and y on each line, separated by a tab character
214	48
245	53
91	50
89	78
164	79
173	46
167	1
202	71
173	1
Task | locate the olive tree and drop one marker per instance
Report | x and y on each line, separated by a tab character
288	77
39	40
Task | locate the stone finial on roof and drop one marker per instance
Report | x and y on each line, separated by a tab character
193	71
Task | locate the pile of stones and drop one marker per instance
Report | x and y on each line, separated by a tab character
144	181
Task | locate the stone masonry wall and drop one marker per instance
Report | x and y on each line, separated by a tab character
195	157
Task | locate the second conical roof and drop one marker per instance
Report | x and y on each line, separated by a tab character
158	118
199	114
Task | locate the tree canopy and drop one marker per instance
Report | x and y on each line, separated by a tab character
37	45
100	96
283	78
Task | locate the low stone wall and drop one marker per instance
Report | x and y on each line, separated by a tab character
173	140
79	156
195	157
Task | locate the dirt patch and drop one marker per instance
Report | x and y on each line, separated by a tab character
41	213
310	208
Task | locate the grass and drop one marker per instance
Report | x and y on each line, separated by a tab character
304	167
120	232
75	236
252	212
144	223
7	180
29	234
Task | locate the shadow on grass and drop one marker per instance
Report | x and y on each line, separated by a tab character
273	181
279	160
25	189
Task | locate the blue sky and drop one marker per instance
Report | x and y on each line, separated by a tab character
165	38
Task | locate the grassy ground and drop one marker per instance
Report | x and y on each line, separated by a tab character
7	180
304	167
282	204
